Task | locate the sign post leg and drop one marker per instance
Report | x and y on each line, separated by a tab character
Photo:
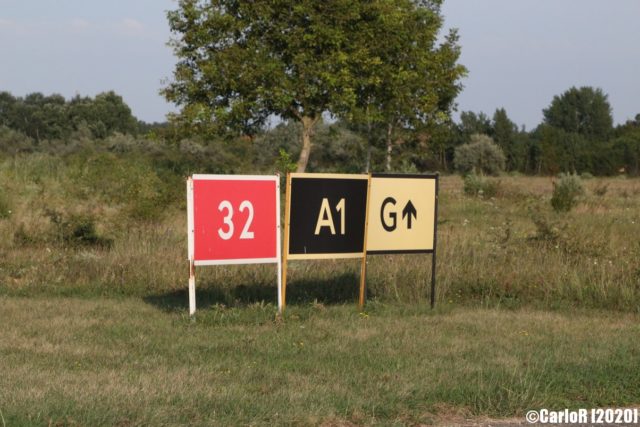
363	267
279	286
363	275
433	279
192	288
279	244
283	300
435	244
283	293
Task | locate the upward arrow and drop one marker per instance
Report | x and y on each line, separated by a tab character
408	211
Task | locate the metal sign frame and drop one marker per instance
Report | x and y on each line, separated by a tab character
191	233
432	251
321	176
340	255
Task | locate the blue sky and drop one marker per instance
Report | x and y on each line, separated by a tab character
520	53
87	47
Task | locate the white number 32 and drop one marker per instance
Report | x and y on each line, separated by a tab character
228	220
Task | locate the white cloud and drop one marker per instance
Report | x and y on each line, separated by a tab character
16	28
80	24
131	25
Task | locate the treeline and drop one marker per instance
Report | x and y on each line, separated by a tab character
577	135
50	117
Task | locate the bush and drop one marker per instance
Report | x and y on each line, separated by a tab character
475	185
5	206
481	155
128	181
284	163
601	190
566	192
586	175
21	237
78	230
13	142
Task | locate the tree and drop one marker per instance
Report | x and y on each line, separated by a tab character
7	109
472	123
481	155
626	147
575	132
40	117
504	134
105	114
585	111
242	62
414	81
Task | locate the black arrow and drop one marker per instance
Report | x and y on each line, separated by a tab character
409	210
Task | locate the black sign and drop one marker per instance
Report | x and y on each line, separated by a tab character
327	216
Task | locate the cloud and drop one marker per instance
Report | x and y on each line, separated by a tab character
131	26
15	28
6	24
80	24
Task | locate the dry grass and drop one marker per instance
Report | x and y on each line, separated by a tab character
515	249
509	250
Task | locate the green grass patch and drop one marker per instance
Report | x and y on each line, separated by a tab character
70	361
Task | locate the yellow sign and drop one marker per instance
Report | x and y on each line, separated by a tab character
402	213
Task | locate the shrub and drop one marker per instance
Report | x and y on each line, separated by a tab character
21	237
5	206
566	192
475	185
546	230
130	181
481	155
586	175
601	190
284	163
77	230
13	142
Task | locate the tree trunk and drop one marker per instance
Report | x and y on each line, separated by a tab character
389	145
308	124
367	167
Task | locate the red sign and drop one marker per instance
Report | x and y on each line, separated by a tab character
233	219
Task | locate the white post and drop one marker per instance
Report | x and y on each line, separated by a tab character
190	248
279	244
192	288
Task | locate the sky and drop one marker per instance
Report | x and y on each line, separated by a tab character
520	53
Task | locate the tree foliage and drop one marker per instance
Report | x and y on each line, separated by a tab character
414	80
481	155
505	134
585	111
239	63
566	192
626	149
47	117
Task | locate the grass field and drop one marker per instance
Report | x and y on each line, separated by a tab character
70	361
534	309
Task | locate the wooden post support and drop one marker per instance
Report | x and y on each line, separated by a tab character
363	267
285	252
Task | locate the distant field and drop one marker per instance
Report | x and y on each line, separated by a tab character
70	361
